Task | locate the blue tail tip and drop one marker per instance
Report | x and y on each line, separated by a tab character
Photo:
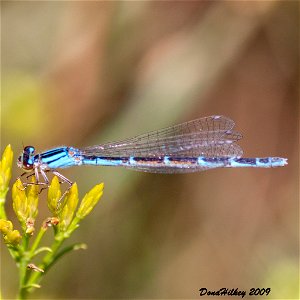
279	162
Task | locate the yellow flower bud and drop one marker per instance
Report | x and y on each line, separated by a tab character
89	201
54	195
32	200
13	237
5	170
25	202
5	226
69	207
20	202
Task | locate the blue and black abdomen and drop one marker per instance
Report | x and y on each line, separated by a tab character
172	164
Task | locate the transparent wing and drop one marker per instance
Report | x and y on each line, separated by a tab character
168	170
206	124
209	136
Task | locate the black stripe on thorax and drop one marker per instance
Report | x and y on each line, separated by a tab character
52	155
53	152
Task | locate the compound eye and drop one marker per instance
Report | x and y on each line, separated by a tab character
26	160
29	150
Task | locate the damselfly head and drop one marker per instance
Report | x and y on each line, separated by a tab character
25	160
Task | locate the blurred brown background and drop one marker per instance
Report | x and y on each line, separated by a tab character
81	73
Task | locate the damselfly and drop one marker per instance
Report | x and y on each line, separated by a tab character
201	144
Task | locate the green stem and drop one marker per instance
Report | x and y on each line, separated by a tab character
37	241
47	261
23	276
67	250
54	255
14	252
23	272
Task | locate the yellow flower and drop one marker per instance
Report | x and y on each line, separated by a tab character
89	201
10	236
5	226
32	200
25	203
69	206
20	202
13	237
5	170
54	195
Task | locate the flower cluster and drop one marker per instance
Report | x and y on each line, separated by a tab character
11	237
64	218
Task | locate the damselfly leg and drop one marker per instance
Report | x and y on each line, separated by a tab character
46	183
